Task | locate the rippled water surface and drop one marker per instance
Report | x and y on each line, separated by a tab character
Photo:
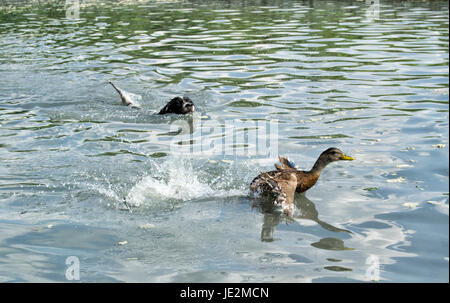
372	81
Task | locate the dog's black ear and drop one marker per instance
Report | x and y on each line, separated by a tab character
164	110
173	107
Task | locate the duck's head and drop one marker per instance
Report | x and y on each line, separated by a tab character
333	154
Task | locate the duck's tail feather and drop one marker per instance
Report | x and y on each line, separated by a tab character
285	163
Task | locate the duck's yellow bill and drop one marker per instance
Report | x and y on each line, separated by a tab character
345	157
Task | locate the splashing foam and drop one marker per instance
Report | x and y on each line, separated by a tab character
173	181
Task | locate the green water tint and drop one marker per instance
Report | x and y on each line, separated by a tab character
377	88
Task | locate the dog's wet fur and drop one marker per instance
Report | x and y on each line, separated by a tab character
178	105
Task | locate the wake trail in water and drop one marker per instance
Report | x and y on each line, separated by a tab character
183	181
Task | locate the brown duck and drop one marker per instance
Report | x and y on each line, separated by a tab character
287	179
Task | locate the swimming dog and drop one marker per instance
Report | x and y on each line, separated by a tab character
178	105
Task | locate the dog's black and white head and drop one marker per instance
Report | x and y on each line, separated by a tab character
178	105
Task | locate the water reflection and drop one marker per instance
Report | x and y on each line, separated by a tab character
304	209
180	125
331	244
327	74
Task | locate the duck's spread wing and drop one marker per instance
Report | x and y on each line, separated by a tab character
285	164
280	183
287	182
278	166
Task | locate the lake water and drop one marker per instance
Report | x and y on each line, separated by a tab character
300	76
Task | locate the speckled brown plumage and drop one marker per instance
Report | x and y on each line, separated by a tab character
287	179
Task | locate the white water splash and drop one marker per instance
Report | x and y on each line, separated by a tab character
177	180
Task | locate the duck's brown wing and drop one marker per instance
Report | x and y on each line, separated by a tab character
278	166
287	181
286	164
280	183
